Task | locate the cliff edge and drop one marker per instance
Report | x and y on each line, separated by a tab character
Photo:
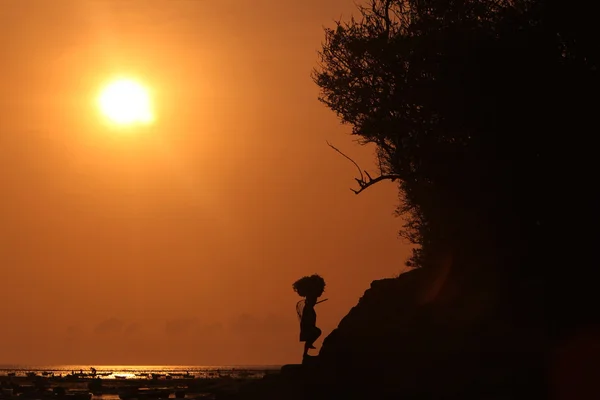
432	333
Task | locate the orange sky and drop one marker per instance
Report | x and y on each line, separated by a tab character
177	243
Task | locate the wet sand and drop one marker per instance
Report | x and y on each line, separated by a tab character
208	387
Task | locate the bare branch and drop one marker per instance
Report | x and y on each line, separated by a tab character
383	13
362	182
351	160
365	184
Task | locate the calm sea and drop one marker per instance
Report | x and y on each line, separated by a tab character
137	371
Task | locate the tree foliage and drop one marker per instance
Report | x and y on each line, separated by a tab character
482	108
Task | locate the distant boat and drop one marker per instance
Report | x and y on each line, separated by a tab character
82	375
185	375
120	377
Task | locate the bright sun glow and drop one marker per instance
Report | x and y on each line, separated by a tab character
125	102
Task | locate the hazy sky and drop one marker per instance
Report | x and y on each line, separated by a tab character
176	243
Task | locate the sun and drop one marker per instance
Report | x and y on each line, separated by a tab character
126	102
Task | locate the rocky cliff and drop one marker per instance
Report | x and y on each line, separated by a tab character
435	333
432	333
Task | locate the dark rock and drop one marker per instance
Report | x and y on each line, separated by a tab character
292	370
434	333
437	333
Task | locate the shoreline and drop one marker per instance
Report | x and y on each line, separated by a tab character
34	388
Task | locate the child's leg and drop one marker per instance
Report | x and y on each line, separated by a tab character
315	336
306	347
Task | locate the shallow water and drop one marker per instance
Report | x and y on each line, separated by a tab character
140	371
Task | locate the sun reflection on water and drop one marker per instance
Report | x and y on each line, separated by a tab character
123	372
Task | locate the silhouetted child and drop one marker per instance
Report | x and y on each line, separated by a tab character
309	332
309	287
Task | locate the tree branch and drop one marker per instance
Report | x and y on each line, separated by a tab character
369	181
351	160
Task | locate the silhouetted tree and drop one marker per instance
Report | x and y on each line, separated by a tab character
481	110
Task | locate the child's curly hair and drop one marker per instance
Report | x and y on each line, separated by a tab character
313	285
